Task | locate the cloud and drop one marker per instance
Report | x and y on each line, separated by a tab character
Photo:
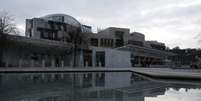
180	95
175	22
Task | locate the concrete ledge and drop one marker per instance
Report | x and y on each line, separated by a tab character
64	69
167	73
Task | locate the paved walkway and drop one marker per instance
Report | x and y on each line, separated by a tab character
169	73
64	69
153	72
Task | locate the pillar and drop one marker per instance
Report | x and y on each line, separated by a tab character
53	62
7	63
62	76
93	58
99	64
52	77
98	94
43	76
20	63
139	60
32	76
86	64
71	63
32	63
81	60
93	79
62	63
43	62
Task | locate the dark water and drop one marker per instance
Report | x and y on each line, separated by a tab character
95	87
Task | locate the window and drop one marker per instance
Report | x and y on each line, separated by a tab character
58	18
119	38
119	43
87	54
94	42
45	35
42	34
100	58
55	36
34	57
50	36
30	32
112	42
138	43
106	42
119	34
159	47
102	43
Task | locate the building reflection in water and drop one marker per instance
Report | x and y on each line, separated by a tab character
96	86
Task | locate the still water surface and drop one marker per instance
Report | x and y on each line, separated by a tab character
114	86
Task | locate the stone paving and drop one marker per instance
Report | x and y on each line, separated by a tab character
169	73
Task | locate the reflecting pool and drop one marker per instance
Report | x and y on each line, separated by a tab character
95	86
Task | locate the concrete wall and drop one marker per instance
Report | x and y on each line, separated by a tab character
114	58
35	25
136	36
118	59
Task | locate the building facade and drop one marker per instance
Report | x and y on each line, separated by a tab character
51	41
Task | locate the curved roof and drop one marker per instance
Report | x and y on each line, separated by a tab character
62	18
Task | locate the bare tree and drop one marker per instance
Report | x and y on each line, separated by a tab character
79	41
7	24
176	48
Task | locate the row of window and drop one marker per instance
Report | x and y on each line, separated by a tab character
145	61
106	42
103	42
159	47
57	25
100	58
48	34
94	42
138	43
119	43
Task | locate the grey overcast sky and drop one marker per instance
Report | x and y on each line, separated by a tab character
174	22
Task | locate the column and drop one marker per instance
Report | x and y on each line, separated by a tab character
52	77
32	63
43	62
143	61
62	76
93	58
52	61
98	94
81	60
149	62
32	77
62	63
139	60
7	63
71	63
99	64
43	76
93	79
20	63
86	64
